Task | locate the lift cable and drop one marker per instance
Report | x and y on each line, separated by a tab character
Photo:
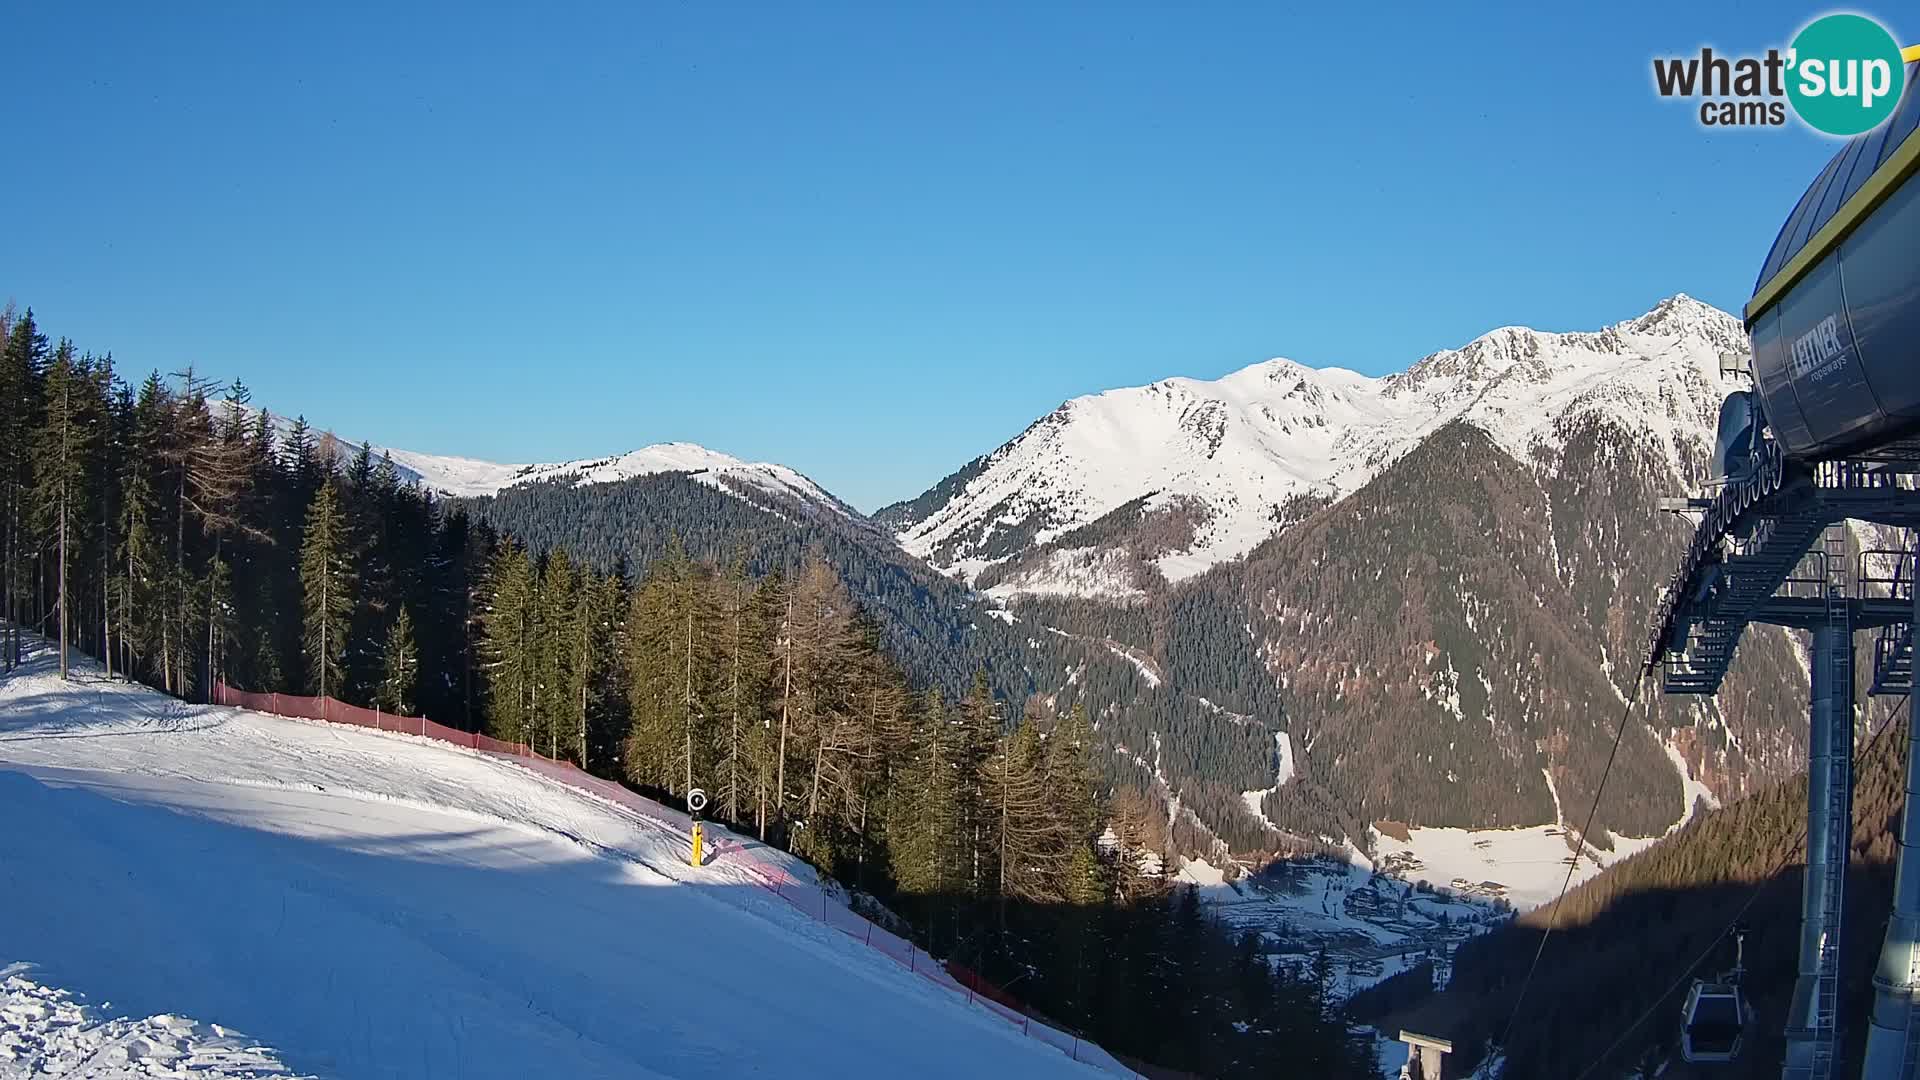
1752	895
1687	972
1573	863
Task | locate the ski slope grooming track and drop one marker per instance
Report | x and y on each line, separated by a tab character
377	905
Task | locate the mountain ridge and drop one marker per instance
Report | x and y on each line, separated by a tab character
1227	455
768	485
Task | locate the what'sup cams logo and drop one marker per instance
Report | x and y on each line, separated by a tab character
1842	75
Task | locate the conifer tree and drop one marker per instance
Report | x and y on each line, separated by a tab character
977	730
925	814
745	622
509	627
402	667
60	452
603	699
1075	791
365	503
21	362
223	618
327	583
301	462
139	559
671	645
886	746
562	678
116	410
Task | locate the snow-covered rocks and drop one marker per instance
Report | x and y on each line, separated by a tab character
48	1031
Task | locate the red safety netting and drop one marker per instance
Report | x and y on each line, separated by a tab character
445	734
805	896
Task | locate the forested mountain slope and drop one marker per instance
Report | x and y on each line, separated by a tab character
1449	646
936	628
1624	942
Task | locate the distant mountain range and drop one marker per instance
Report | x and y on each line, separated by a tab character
468	477
1301	603
1113	492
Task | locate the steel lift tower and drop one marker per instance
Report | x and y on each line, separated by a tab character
1793	569
1830	431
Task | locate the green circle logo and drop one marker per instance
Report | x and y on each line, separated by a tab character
1845	74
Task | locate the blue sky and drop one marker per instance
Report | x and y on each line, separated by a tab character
869	241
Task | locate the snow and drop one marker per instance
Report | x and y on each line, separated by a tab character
1239	446
465	477
458	476
1254	801
1209	879
470	477
374	904
1283	772
50	1031
1140	664
1691	789
1528	865
1371	926
1078	572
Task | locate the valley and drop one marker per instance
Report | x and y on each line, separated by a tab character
1334	742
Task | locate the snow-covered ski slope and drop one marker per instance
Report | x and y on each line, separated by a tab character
379	905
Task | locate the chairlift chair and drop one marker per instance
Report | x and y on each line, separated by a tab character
1716	1014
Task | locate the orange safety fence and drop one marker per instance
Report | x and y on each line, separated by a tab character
807	897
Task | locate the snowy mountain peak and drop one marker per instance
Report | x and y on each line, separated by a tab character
1206	468
464	477
1681	316
470	477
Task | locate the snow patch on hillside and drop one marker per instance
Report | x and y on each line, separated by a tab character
1203	875
1283	747
1080	572
1691	790
1141	664
1283	772
1526	866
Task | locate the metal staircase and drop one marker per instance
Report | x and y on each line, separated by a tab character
1752	571
1893	649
